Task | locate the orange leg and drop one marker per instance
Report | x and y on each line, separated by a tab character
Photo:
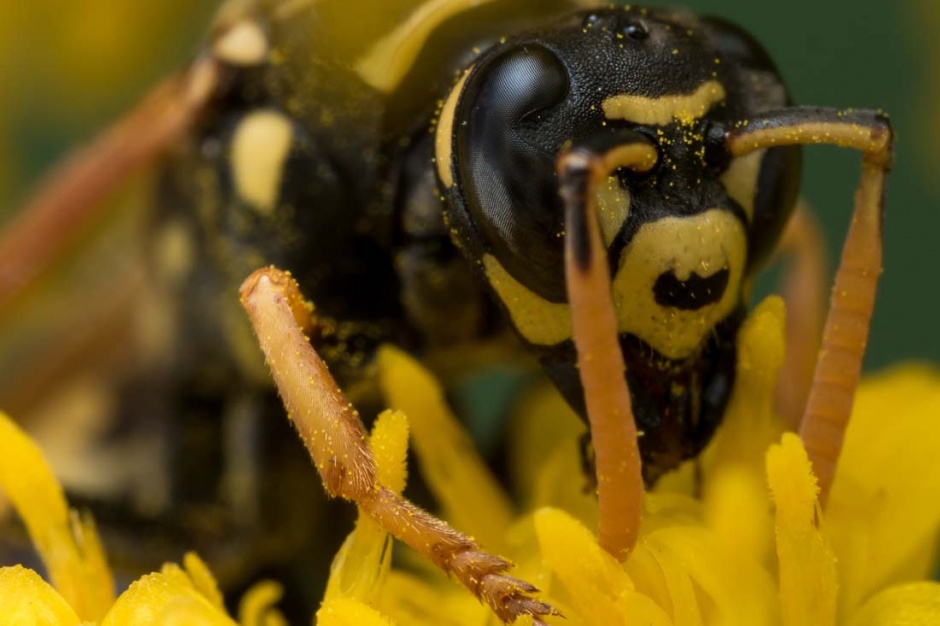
581	170
839	364
334	436
804	291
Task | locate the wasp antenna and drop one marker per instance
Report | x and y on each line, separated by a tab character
73	196
839	364
600	361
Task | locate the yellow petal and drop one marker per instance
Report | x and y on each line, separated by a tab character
750	424
561	484
737	510
727	587
202	579
683	605
641	609
430	600
470	496
915	604
345	612
189	612
167	598
544	430
883	512
806	560
646	572
26	599
594	581
69	545
389	443
98	581
361	565
256	607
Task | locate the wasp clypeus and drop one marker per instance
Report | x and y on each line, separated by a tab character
605	181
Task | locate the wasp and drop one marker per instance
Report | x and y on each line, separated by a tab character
602	182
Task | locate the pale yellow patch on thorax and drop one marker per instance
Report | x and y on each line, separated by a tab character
704	244
243	44
664	109
443	137
259	150
538	320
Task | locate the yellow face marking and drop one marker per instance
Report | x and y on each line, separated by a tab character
664	110
704	244
541	322
259	150
613	208
389	60
740	180
244	44
443	137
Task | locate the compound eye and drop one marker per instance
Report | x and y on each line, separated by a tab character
635	30
506	165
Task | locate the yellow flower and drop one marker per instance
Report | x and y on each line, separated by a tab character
82	586
732	556
753	548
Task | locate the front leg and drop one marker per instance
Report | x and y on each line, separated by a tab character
334	436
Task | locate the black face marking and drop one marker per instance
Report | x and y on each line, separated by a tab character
691	294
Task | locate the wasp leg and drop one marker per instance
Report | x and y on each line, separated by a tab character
335	438
804	291
72	197
581	170
839	364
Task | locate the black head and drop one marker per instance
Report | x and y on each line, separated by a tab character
679	237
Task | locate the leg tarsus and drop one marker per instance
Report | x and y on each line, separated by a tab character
456	554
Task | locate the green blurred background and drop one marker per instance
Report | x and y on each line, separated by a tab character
67	67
